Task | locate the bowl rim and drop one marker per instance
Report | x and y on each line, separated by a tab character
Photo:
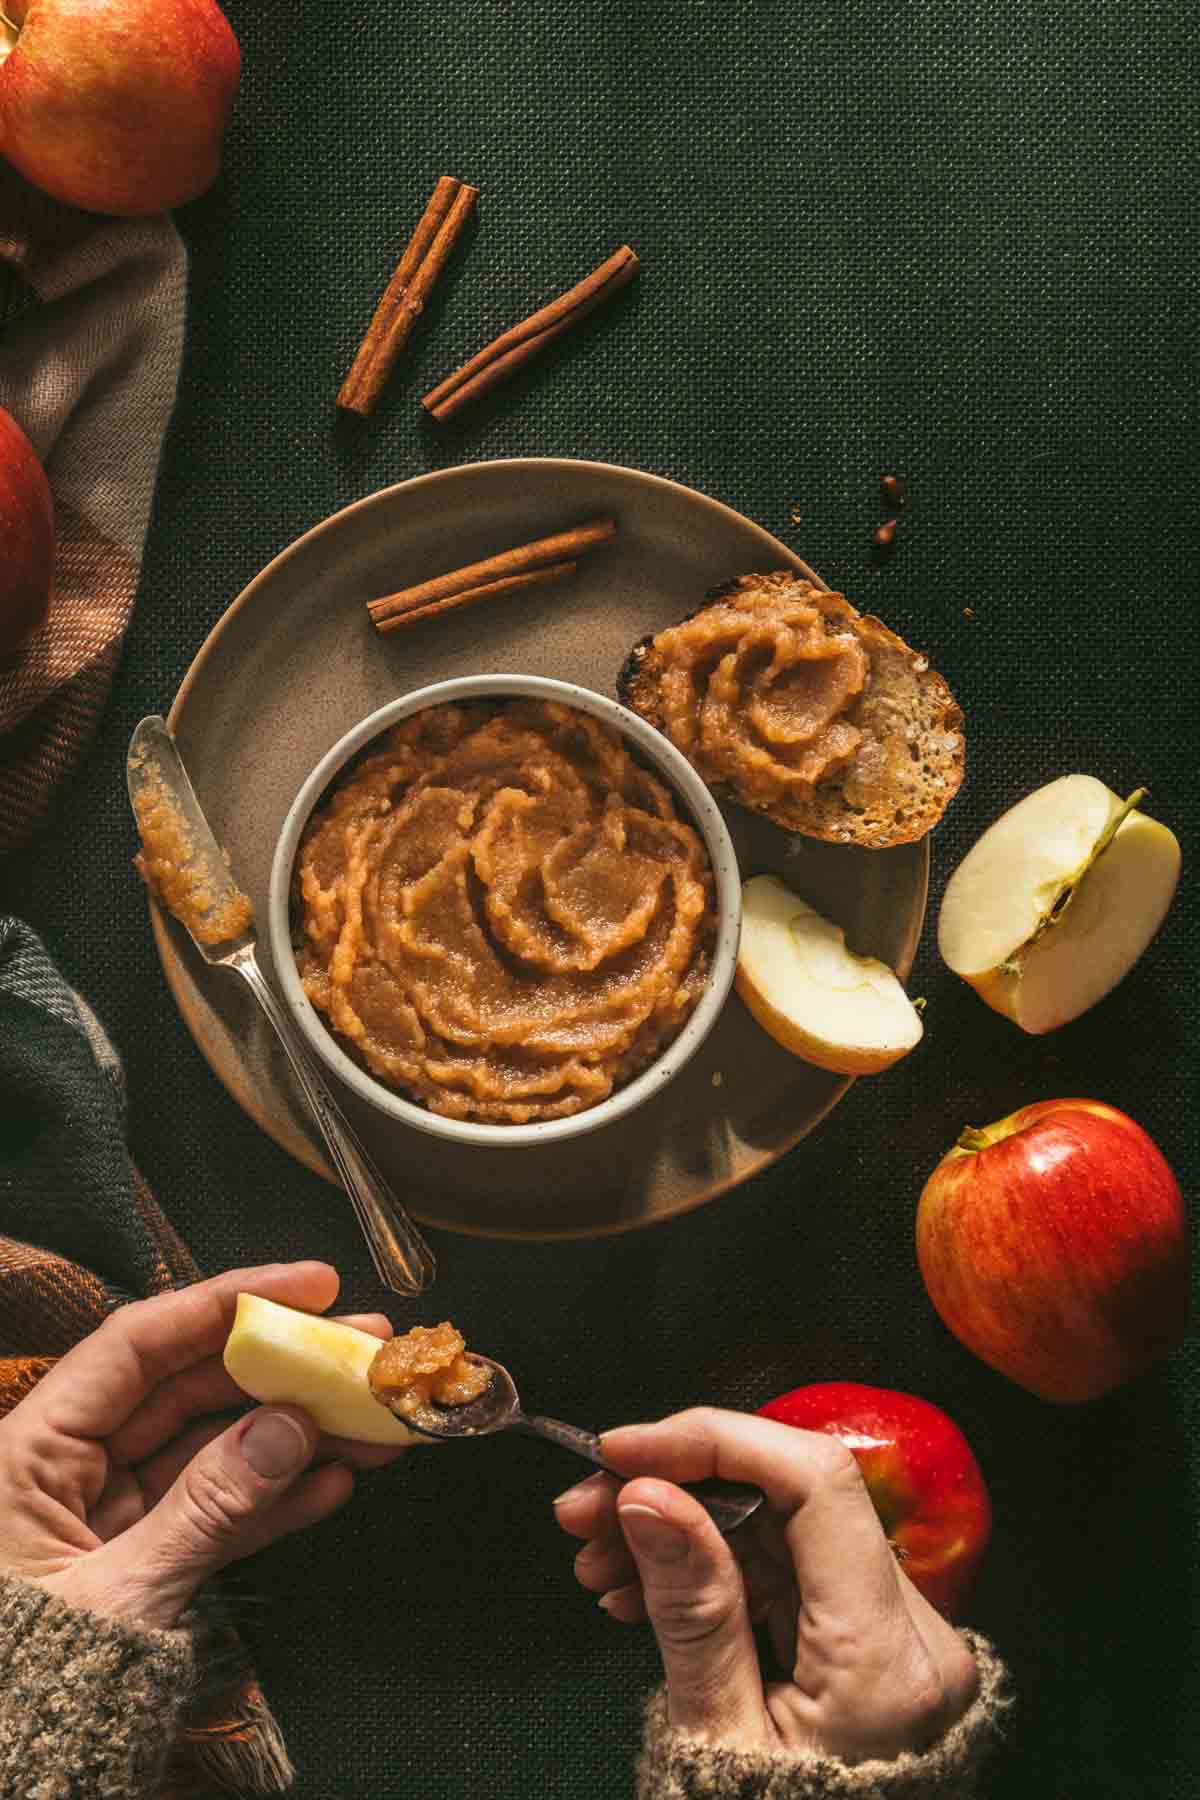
698	802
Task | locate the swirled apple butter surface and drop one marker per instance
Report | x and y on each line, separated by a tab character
790	700
502	912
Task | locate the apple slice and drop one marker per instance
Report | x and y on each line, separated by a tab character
818	999
1057	901
277	1354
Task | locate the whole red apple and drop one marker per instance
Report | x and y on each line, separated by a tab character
920	1474
118	106
1055	1245
26	538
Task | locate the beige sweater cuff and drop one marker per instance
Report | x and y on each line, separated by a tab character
676	1767
88	1705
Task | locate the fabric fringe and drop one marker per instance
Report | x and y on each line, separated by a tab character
240	1750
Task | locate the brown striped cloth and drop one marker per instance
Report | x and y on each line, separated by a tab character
80	1233
91	334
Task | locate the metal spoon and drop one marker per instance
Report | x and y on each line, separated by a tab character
155	774
727	1503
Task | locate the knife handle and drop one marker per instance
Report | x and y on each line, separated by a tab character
402	1258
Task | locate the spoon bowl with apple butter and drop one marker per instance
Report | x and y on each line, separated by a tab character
438	1388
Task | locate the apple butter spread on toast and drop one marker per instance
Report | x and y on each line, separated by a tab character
787	699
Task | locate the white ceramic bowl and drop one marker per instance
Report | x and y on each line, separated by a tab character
698	804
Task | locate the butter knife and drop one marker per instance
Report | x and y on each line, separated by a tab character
187	871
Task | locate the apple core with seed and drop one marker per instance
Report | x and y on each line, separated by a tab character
1057	901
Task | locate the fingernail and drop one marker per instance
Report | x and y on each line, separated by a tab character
274	1445
647	1531
579	1490
641	1426
605	1604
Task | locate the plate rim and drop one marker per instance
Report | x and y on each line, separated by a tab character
244	1095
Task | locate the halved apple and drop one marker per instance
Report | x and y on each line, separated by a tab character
277	1354
818	999
1057	901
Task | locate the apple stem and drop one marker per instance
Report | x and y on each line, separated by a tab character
971	1138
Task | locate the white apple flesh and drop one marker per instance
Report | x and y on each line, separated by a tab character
278	1355
1043	917
817	998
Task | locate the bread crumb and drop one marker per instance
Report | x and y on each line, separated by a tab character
968	612
717	1078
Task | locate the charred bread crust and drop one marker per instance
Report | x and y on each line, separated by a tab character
635	674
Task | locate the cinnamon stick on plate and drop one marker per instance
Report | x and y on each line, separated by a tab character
404	297
515	347
525	566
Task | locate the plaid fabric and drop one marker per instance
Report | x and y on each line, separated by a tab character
91	333
80	1233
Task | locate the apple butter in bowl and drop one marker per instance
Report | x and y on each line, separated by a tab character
503	912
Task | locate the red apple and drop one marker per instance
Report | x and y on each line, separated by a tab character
920	1474
118	106
26	538
1055	1245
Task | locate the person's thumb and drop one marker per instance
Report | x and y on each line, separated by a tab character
235	1495
696	1602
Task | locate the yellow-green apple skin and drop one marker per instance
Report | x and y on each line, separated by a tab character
818	999
1004	928
117	106
278	1355
1054	1244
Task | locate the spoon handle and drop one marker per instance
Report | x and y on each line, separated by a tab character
403	1260
727	1503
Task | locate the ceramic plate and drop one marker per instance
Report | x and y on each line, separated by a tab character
295	662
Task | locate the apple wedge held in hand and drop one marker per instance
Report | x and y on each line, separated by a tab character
276	1354
843	1012
1057	901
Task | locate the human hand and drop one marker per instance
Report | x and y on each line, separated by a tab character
121	1491
874	1669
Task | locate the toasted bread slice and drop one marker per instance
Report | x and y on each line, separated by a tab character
908	762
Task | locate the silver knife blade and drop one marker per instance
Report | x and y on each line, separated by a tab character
181	861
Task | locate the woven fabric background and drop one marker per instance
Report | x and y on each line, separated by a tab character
957	242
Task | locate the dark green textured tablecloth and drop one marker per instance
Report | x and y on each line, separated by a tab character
955	241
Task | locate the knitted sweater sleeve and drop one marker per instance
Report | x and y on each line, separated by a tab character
676	1767
88	1705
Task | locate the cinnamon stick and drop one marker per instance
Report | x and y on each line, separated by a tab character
471	596
543	560
404	297
517	346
